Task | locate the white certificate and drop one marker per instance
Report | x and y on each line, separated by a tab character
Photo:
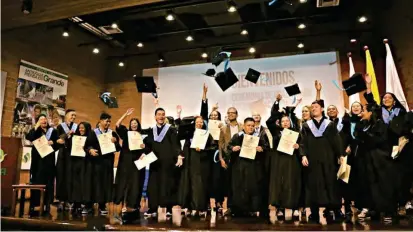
200	139
105	143
42	146
213	128
135	140
249	146
78	143
344	171
146	160
287	141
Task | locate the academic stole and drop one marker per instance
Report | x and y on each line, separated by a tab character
99	132
318	132
340	124
161	136
388	116
49	133
66	128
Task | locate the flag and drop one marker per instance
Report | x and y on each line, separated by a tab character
393	84
355	97
370	71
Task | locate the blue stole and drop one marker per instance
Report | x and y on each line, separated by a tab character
66	128
241	133
318	132
98	132
291	121
215	156
49	133
159	138
388	116
340	124
352	128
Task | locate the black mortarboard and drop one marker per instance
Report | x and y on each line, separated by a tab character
210	72
354	84
252	75
186	128
226	79
217	60
145	84
292	90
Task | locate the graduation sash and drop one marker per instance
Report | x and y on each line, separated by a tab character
340	124
388	116
257	131
270	138
49	133
352	128
159	138
318	132
215	156
66	128
98	132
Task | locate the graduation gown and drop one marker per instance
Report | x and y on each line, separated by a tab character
247	176
129	180
322	146
100	170
164	176
42	170
196	178
63	165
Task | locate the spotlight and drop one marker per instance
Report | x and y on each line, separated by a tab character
362	19
169	16
134	75
140	45
189	38
114	25
161	58
244	32
65	33
204	55
231	6
96	50
303	1
27	6
353	40
300	45
302	26
121	64
251	50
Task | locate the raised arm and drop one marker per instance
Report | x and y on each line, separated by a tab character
318	88
368	95
204	104
127	113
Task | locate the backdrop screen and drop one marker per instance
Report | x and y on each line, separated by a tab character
182	85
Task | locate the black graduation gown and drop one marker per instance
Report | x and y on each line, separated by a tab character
195	185
42	170
376	188
100	168
164	176
63	165
247	176
129	180
321	176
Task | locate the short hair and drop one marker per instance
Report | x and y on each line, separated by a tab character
159	109
236	111
40	115
69	110
249	119
318	102
37	107
104	116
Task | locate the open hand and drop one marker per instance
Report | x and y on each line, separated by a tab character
318	85
129	111
180	161
236	148
296	146
205	88
304	161
93	152
367	78
259	149
278	97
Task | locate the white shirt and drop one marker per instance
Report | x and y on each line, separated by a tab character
234	129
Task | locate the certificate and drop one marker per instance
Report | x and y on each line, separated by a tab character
135	140
146	160
42	146
200	139
78	143
249	147
105	143
344	171
213	128
287	141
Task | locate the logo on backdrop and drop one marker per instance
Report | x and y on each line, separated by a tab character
43	77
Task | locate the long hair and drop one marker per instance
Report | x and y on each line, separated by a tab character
88	128
219	115
375	113
397	103
139	129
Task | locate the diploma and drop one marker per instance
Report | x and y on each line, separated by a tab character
249	147
287	141
213	128
78	143
344	171
105	143
42	146
200	139
146	160
135	140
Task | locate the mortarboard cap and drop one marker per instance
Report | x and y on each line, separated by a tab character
292	90
226	79
210	72
354	84
145	84
218	59
186	128
252	75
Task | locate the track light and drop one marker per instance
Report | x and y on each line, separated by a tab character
27	6
121	64
161	58
232	7
353	40
204	55
300	45
114	25
139	45
362	19
244	32
96	50
251	50
65	33
189	38
169	16
302	26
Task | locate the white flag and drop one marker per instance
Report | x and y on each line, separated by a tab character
393	84
355	97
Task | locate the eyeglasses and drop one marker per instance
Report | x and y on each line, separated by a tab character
232	113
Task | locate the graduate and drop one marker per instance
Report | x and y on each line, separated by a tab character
101	165
321	151
42	170
164	173
247	174
227	132
63	175
406	157
129	180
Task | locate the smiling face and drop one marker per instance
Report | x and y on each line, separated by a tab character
256	116
249	127
105	123
285	122
82	129
232	114
366	115
199	123
134	125
306	113
71	116
356	108
316	110
160	117
388	100
214	115
43	122
332	111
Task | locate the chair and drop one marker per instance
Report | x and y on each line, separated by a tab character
17	194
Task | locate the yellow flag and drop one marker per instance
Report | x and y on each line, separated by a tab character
370	71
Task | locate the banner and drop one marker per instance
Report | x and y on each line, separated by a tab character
3	90
39	91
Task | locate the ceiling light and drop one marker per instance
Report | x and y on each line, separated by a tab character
96	50
140	45
134	75
27	6
302	26
300	45
170	17
353	40
204	55
189	38
251	50
231	6
362	19
121	64
161	60
244	32
114	25
303	1
65	34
